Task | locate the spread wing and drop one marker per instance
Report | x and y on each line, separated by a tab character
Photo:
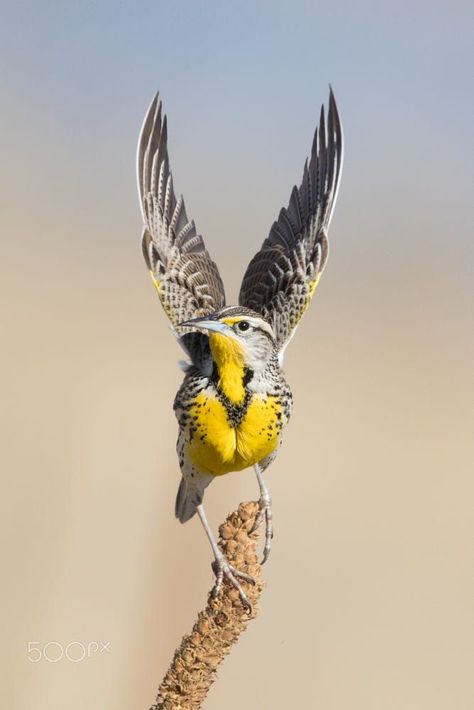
281	278
186	278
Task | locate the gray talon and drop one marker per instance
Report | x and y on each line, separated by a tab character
265	511
223	570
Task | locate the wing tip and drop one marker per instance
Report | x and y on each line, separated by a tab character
333	112
144	131
152	140
337	136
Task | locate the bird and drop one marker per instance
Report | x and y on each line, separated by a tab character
234	402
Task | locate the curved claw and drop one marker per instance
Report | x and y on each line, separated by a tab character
223	570
265	511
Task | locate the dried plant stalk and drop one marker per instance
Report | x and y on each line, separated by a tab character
219	625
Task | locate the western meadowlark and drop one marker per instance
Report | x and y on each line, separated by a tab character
234	401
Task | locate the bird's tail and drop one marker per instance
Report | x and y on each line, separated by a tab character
185	505
189	497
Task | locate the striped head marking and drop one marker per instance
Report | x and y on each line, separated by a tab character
240	340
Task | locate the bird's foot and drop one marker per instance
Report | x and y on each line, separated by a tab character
265	511
223	570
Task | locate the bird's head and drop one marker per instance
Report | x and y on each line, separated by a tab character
237	334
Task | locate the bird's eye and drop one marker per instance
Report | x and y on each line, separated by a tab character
243	325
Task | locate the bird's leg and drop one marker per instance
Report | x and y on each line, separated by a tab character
221	568
265	505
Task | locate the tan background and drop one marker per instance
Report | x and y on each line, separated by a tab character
370	585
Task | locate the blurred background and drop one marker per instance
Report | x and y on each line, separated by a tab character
369	586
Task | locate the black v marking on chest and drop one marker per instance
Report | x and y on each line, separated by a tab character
235	412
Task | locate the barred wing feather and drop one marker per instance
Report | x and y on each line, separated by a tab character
281	278
186	279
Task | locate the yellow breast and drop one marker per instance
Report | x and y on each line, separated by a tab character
217	447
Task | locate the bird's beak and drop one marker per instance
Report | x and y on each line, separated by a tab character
207	324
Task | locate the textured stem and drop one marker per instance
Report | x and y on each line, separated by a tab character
219	625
